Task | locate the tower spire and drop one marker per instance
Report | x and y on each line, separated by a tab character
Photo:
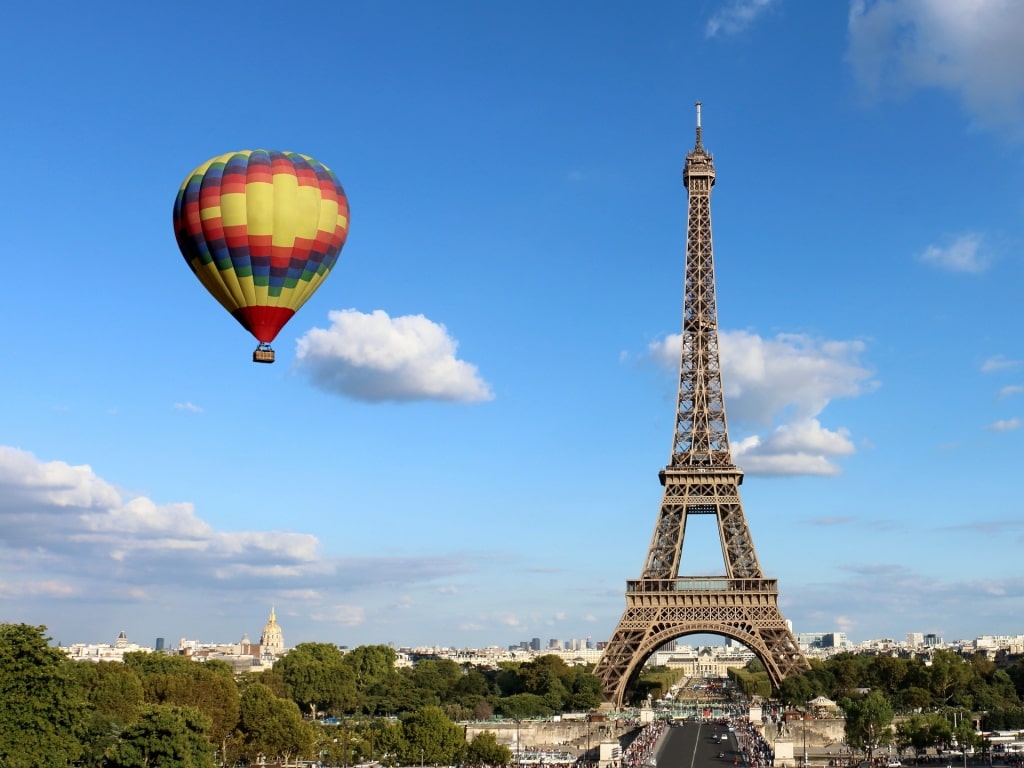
699	145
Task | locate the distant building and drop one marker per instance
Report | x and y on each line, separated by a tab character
821	640
103	651
272	639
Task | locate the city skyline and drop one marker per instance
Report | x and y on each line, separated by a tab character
461	436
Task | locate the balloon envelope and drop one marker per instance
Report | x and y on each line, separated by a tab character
261	230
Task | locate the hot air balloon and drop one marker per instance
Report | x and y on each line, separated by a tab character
261	230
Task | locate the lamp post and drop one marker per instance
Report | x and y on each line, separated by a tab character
803	723
587	759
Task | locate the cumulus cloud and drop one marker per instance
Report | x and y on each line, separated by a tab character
67	533
971	49
1006	425
736	17
799	448
777	388
962	255
1010	391
190	407
376	358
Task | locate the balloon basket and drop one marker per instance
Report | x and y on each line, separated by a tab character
263	354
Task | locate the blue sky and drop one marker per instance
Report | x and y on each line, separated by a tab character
460	440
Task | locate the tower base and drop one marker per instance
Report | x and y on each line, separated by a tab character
661	610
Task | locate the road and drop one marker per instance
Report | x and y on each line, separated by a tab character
693	745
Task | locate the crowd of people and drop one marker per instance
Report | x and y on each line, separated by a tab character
753	746
640	751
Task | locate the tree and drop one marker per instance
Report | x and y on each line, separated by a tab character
585	690
394	695
888	673
370	665
436	679
948	675
209	686
164	736
317	677
431	738
484	749
915	733
868	719
115	699
41	703
271	726
523	705
796	690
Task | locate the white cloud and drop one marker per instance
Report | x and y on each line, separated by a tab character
65	531
1010	391
1006	425
999	363
782	385
970	48
49	588
348	615
962	255
802	447
736	17
870	594
376	358
190	407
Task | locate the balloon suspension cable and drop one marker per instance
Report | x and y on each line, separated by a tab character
263	353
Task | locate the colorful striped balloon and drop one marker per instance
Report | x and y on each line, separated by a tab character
261	230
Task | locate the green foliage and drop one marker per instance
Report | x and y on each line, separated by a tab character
41	701
751	683
317	678
1004	719
370	664
654	682
114	697
523	705
796	690
913	686
204	686
272	727
435	679
430	738
484	749
923	732
164	736
868	721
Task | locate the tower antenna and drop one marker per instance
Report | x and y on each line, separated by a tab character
699	145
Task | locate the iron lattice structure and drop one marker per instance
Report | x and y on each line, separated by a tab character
701	479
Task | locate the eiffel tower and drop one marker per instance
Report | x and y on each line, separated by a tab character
701	479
